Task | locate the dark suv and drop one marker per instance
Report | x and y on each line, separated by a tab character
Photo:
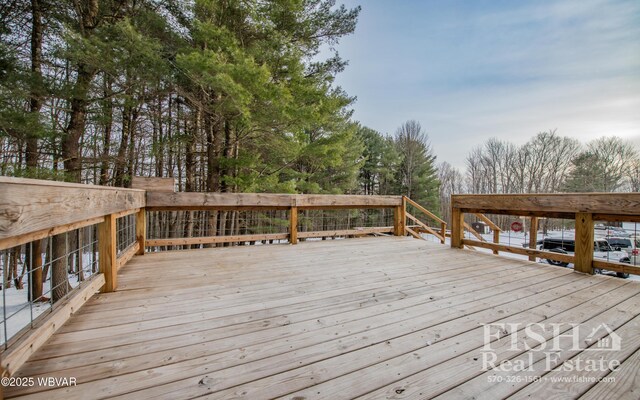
601	250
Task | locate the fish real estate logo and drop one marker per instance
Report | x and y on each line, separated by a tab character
550	347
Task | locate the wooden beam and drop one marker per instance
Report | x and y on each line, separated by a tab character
346	201
217	208
200	200
616	218
496	239
153	184
425	227
584	243
522	213
520	250
533	235
424	210
414	234
346	232
18	353
487	221
457	228
124	213
293	225
545	204
402	218
215	239
14	241
267	200
473	232
399	220
616	267
127	255
141	230
29	205
108	253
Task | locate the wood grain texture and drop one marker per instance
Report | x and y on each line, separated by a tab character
28	206
616	266
108	253
141	230
425	227
346	232
13	241
153	184
293	225
266	200
520	250
583	258
215	239
424	210
563	204
487	221
127	255
388	317
533	235
457	228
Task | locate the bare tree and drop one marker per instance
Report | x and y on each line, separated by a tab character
451	182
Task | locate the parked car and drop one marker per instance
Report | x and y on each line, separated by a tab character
601	250
627	244
607	231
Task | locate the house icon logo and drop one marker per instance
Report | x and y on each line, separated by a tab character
603	338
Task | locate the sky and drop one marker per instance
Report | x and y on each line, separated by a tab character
469	70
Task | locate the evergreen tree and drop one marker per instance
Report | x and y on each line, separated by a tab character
417	175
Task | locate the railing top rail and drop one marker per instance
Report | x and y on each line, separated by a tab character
265	200
29	206
40	182
559	205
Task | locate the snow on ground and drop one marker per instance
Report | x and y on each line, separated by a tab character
18	312
517	239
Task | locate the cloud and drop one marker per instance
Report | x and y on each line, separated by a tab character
469	71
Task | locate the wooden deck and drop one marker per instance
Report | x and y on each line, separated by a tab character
381	318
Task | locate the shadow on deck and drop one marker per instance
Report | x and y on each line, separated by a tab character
373	317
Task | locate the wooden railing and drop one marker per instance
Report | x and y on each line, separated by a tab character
583	209
32	210
292	206
420	225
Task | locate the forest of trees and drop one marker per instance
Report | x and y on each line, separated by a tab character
235	96
222	95
548	163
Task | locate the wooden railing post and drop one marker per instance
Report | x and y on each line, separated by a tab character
293	225
443	231
533	235
399	218
141	230
457	228
496	239
108	253
583	260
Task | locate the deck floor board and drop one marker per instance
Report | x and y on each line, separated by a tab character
381	317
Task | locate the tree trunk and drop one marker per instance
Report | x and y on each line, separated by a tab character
107	112
59	278
36	87
77	121
214	147
35	284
